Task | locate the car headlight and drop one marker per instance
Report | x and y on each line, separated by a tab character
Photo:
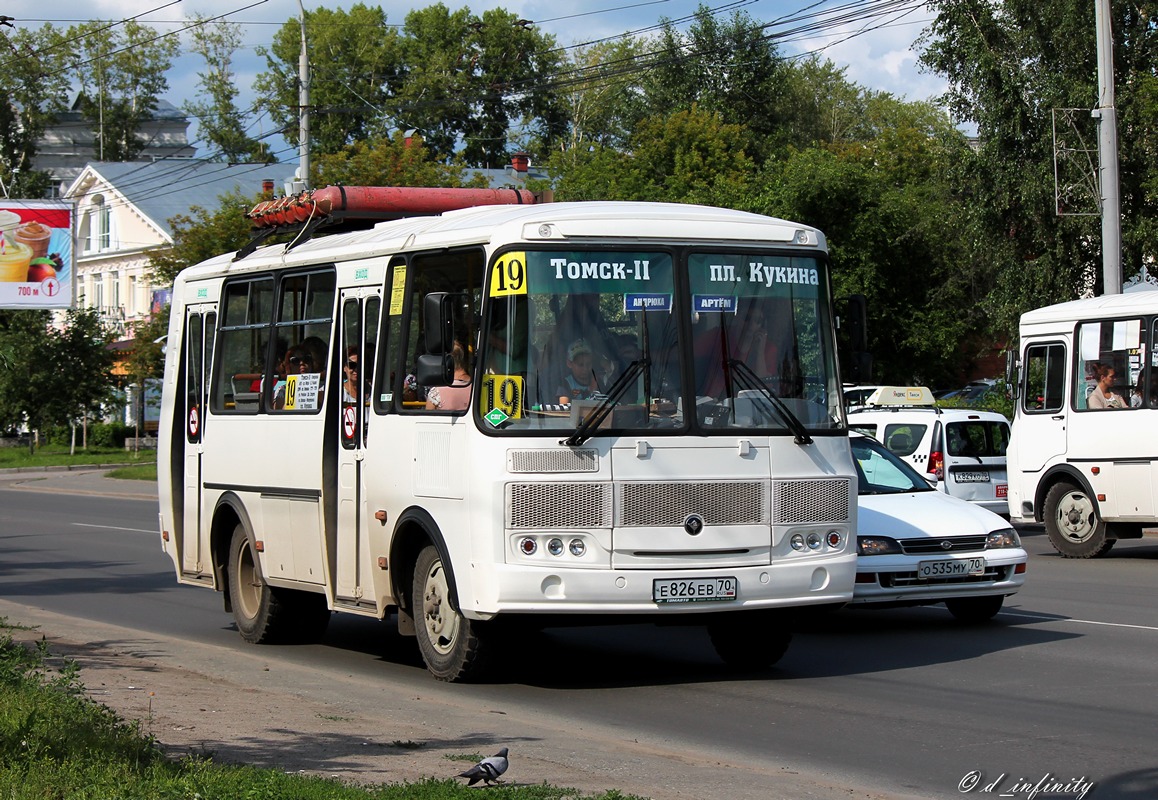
876	546
1006	537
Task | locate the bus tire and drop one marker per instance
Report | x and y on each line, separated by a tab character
975	609
450	644
1072	523
749	640
265	615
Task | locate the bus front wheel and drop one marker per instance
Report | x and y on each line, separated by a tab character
1072	523
265	615
450	644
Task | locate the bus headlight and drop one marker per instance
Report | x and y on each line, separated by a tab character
577	548
797	542
814	541
528	546
555	546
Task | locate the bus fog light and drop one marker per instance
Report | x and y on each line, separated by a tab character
835	539
797	542
814	541
577	547
528	546
555	547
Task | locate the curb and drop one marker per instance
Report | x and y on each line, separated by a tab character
64	468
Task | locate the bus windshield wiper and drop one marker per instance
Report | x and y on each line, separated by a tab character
750	380
599	413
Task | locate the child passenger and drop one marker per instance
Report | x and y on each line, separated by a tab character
580	382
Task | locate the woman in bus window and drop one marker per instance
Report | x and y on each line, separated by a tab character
455	397
1103	395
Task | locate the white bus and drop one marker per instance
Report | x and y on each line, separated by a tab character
602	455
1083	457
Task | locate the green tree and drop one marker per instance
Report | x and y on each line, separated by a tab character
1008	66
600	87
121	72
688	157
34	90
386	162
222	124
730	67
354	67
53	376
478	84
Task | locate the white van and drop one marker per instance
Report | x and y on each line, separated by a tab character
961	450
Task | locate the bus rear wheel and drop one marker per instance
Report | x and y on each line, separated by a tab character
1072	523
451	645
265	615
749	640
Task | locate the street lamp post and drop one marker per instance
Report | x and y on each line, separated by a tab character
303	108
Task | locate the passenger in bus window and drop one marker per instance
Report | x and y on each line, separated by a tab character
455	397
354	387
580	382
1103	396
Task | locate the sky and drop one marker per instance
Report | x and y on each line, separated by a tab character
871	39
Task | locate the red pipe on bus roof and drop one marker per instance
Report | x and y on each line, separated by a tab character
383	202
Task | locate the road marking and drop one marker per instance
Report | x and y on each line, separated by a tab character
1047	618
113	527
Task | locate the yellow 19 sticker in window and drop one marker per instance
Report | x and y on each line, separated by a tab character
502	391
509	275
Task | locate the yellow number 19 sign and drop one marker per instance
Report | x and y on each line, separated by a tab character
509	275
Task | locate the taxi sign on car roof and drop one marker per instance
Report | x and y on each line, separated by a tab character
901	396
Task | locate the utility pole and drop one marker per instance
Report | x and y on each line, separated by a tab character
1107	116
303	108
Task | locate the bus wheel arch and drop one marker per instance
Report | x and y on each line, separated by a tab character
452	646
229	513
415	530
1073	521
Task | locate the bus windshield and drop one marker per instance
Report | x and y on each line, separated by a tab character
651	340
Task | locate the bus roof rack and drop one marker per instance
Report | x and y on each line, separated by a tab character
354	207
901	396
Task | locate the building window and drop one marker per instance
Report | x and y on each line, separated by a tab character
104	224
115	278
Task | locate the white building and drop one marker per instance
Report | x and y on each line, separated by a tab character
124	211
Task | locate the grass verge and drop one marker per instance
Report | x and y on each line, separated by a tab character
140	472
57	743
58	456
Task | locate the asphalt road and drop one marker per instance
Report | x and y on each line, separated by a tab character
1059	688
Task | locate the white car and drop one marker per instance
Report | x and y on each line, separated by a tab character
962	449
918	546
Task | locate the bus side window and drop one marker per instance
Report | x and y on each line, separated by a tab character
305	314
246	313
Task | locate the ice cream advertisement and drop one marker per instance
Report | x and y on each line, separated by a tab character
36	254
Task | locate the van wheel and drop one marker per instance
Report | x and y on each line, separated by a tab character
1072	523
749	640
975	609
452	646
265	615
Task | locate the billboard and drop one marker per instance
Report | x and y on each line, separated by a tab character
36	254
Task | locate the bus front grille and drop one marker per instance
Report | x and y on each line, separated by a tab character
669	504
573	505
803	502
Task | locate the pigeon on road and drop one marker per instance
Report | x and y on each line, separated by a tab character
488	770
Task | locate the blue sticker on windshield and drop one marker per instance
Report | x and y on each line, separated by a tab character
724	303
647	302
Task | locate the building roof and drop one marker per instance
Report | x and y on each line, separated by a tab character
161	190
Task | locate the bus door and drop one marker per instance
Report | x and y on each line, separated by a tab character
1043	416
200	327
360	311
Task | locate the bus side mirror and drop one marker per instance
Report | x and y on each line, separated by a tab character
438	322
1011	366
434	370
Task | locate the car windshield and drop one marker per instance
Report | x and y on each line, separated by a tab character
592	341
881	472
